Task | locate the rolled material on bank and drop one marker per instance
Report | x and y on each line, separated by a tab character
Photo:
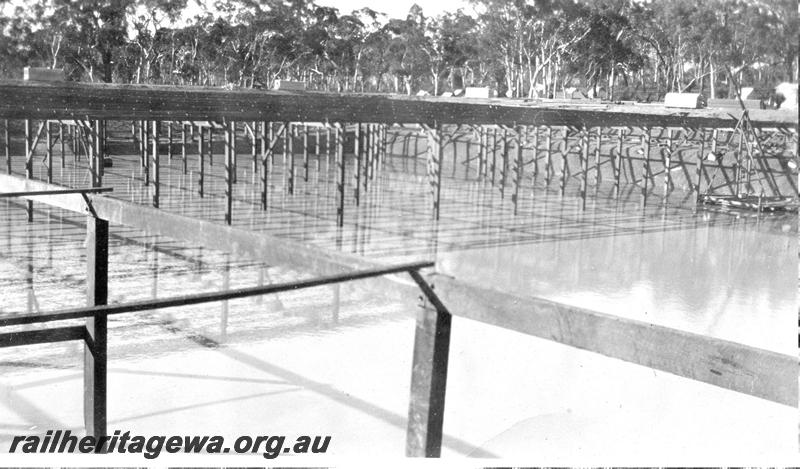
685	100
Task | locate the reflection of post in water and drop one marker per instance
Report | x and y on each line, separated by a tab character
29	274
151	249
337	290
6	146
226	285
50	236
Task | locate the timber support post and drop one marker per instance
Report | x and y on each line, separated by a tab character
230	151
338	132
28	165
49	153
201	162
95	366
357	147
548	157
7	146
156	163
435	151
618	161
584	155
519	166
428	376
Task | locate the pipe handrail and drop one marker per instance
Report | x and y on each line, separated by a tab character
209	297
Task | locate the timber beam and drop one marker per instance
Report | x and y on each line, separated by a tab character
730	365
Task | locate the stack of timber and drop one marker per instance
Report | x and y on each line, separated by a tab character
46	100
752	202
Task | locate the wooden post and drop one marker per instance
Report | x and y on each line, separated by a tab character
183	148
7	146
737	173
28	165
518	168
383	144
668	164
584	164
147	131
618	161
156	163
454	142
254	146
211	144
467	162
305	152
49	154
597	175
428	378
292	135
416	152
699	165
285	154
369	154
494	154
265	156
357	157
548	157
61	143
435	150
482	156
317	150
201	161
504	168
169	141
373	149
95	347
563	181
646	153
338	135
328	146
99	152
230	150
143	145
535	154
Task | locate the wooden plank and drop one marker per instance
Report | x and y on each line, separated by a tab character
761	373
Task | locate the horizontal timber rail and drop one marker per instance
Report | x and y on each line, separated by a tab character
199	298
63	100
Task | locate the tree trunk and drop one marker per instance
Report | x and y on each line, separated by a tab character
107	70
610	94
712	80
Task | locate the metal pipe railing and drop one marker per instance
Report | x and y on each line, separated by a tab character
198	298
